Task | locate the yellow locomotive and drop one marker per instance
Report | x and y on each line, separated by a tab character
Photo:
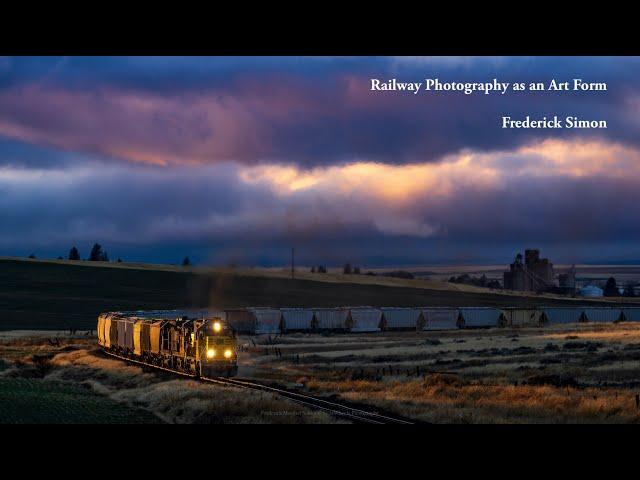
204	347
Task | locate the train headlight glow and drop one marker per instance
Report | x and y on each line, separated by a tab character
228	353
217	326
211	353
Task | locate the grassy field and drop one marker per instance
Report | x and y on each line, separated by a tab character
581	373
571	374
575	373
26	400
74	382
37	294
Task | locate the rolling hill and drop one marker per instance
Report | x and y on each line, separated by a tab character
58	294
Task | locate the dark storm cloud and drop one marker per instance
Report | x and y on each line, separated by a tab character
238	159
304	111
221	214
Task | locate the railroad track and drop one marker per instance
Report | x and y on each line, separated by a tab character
335	409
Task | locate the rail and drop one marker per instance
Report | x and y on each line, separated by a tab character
338	410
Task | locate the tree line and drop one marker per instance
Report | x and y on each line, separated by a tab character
347	269
611	289
99	254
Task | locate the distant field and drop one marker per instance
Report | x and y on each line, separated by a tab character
38	294
575	373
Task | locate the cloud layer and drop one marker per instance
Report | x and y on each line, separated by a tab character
239	159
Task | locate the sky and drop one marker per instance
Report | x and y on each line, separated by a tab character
237	160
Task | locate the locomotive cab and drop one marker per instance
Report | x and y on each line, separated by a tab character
218	348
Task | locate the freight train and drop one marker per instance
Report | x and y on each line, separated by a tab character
205	347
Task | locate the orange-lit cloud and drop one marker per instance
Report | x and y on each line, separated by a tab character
403	184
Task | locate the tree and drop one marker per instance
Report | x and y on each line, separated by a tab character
104	257
356	270
611	288
96	255
346	269
322	269
74	254
629	291
33	255
313	269
119	260
186	262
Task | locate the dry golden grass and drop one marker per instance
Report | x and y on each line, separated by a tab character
440	398
571	373
172	399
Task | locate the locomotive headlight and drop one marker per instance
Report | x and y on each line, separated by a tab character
211	353
228	353
217	326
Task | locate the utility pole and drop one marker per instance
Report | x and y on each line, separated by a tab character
292	262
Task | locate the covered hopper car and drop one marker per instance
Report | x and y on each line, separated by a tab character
205	347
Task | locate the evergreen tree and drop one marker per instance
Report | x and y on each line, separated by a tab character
629	291
74	254
96	254
186	262
346	269
33	255
611	288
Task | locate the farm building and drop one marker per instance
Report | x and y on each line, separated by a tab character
297	318
402	318
591	291
602	314
331	318
365	319
440	318
631	314
479	317
561	315
523	317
